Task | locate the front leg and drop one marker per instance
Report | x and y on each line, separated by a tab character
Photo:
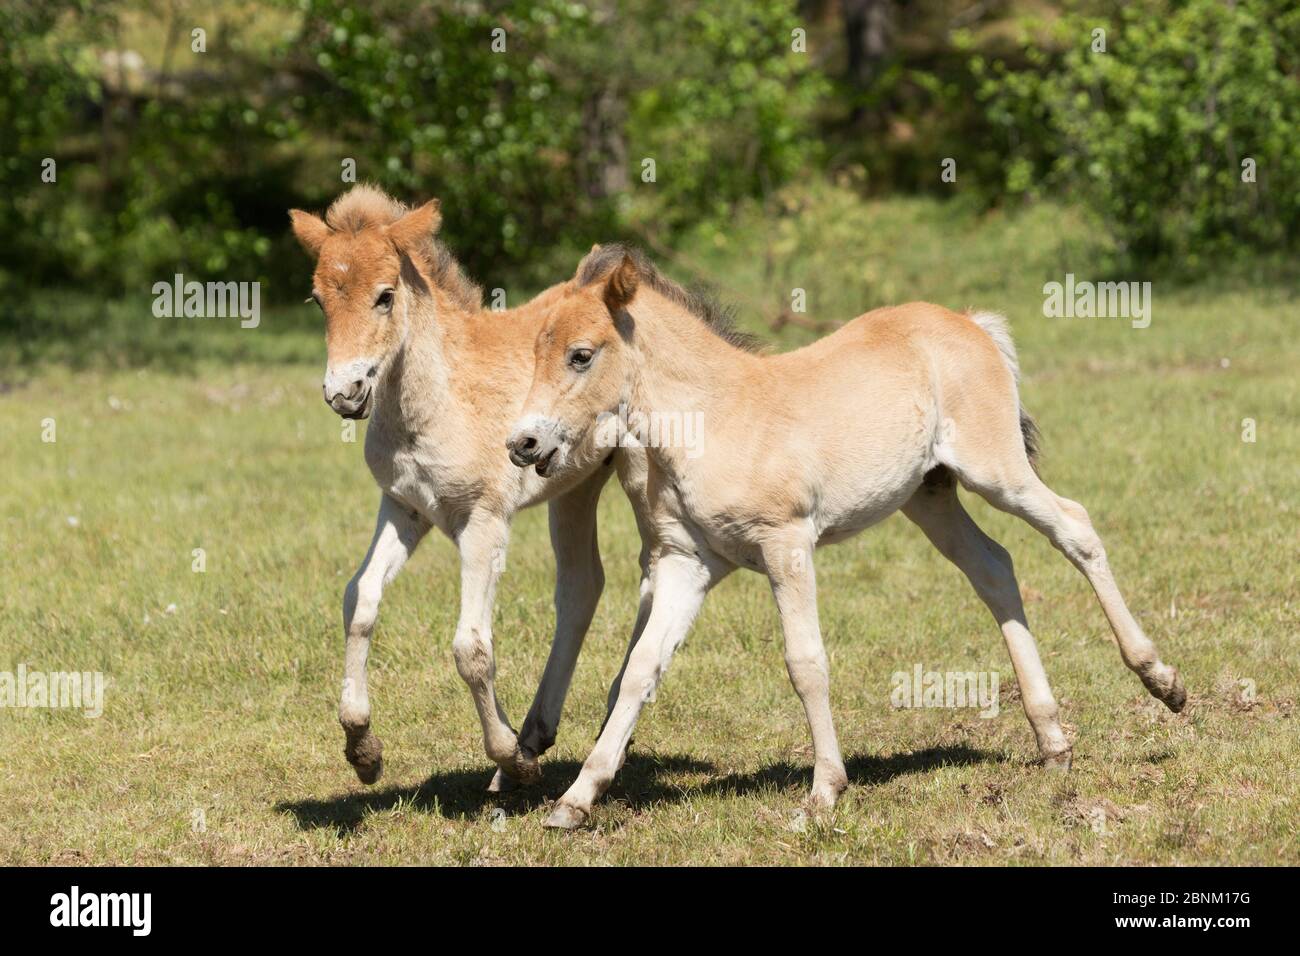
482	542
645	603
789	565
636	493
579	580
681	582
397	531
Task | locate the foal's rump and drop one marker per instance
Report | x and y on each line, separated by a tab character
979	428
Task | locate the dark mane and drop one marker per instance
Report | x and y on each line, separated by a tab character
364	205
699	302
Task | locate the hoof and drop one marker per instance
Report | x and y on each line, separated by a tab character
823	796
366	754
565	817
1058	762
819	801
370	773
523	767
1166	685
502	782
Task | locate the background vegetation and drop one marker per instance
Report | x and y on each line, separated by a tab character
171	159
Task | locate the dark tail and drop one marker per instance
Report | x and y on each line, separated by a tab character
1032	436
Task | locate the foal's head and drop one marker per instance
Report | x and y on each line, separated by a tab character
582	365
373	257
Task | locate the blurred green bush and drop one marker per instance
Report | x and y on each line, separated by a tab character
1158	134
536	147
617	118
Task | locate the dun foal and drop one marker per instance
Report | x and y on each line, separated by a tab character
441	378
891	412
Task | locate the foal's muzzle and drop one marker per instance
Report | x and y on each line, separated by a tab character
531	445
349	395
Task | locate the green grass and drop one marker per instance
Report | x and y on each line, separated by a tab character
173	437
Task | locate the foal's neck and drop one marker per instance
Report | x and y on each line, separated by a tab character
682	368
416	389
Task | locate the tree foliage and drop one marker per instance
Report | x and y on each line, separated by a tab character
1161	133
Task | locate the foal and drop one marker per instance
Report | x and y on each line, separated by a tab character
441	378
890	412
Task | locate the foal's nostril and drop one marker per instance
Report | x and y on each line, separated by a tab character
523	450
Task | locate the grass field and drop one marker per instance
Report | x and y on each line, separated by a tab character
219	743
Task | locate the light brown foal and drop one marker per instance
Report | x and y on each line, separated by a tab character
441	379
892	411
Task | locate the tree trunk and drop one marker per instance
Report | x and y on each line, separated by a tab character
604	161
866	34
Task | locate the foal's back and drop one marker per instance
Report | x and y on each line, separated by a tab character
893	343
844	429
878	388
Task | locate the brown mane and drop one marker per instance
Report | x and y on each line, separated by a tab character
701	303
364	206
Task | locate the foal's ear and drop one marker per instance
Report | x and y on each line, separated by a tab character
620	287
416	225
309	229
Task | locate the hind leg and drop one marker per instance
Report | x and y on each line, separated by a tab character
1016	489
936	510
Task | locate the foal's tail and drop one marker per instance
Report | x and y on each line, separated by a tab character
995	325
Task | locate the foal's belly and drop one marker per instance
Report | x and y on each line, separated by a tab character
870	480
739	535
839	521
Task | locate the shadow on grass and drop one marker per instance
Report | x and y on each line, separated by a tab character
457	794
869	770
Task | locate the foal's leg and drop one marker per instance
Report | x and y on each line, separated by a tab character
579	580
789	565
996	468
397	531
645	602
634	475
482	542
937	511
1067	526
680	585
644	605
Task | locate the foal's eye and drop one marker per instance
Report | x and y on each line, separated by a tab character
385	300
315	297
581	359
